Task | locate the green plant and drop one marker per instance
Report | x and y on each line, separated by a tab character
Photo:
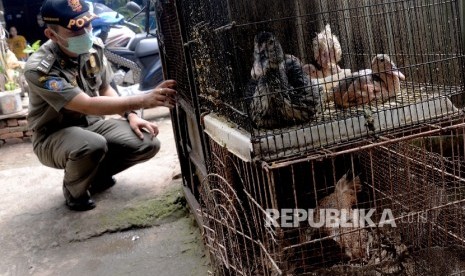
10	67
13	82
11	85
32	48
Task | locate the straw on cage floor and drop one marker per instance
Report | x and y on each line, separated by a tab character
416	104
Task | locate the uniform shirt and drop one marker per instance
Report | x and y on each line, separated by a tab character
17	45
55	79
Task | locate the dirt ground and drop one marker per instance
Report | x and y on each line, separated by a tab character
139	227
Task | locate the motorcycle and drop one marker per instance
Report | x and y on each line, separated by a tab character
134	55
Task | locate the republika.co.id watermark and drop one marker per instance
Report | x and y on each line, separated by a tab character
317	218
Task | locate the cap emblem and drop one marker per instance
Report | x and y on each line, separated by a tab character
75	5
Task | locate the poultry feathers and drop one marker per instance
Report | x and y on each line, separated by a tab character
283	94
267	100
380	83
327	51
344	195
312	71
354	240
305	98
379	246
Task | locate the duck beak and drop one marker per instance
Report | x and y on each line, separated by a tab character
397	73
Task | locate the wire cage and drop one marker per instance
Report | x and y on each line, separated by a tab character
309	152
272	73
258	218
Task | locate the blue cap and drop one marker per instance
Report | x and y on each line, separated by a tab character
71	14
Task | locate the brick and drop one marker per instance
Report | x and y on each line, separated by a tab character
12	122
3	124
14	141
27	139
13	129
28	133
22	122
12	135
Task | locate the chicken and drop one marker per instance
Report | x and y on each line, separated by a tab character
327	52
257	69
379	246
380	83
295	71
354	240
387	250
307	93
271	80
283	94
344	195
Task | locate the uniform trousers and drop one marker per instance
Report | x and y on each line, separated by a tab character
93	153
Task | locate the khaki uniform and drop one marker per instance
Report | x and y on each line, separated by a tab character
87	147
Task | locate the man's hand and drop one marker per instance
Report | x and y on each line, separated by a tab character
108	103
163	95
138	125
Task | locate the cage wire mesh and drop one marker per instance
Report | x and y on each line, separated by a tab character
171	46
312	152
227	221
416	183
381	66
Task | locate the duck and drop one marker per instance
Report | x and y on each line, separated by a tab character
380	83
283	95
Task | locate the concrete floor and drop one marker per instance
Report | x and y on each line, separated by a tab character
139	227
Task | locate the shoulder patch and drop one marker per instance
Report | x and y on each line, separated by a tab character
46	63
54	84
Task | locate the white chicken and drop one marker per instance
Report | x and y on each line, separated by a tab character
327	52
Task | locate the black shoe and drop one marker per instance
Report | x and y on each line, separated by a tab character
82	203
100	186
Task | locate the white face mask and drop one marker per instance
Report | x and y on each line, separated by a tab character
80	44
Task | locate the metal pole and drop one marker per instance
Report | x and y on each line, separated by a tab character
461	12
462	22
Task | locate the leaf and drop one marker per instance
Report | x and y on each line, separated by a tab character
10	86
28	50
36	45
32	48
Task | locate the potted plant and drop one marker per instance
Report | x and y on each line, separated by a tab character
10	73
